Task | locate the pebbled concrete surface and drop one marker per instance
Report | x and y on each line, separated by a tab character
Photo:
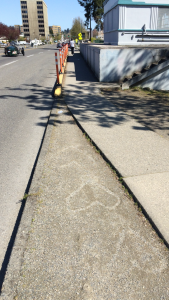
25	105
81	237
148	107
156	188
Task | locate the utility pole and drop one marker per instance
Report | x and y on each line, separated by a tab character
90	25
90	6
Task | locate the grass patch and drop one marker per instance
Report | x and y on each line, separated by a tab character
149	91
33	194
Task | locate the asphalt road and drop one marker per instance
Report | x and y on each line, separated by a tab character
26	83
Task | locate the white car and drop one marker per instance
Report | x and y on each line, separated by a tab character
22	42
3	44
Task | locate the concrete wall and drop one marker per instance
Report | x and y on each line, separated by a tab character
111	20
111	64
112	36
159	82
136	17
92	57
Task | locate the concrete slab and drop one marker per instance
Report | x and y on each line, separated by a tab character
132	148
152	191
138	153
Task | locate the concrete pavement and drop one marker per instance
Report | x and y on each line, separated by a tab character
81	236
25	105
140	155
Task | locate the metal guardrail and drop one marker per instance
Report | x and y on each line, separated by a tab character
99	41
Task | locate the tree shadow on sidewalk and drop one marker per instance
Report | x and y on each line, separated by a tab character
149	108
81	69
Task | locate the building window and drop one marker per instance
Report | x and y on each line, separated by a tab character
26	30
39	7
25	25
25	21
40	17
24	12
39	2
163	19
24	6
41	26
23	2
40	21
40	11
41	30
25	16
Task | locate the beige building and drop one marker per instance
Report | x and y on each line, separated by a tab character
35	19
56	29
19	27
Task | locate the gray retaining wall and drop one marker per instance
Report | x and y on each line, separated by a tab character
113	64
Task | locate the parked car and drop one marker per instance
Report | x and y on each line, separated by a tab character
13	50
22	42
3	44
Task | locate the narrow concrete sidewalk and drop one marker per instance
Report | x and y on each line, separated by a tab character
140	155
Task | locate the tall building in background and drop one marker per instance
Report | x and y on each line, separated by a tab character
35	19
20	28
56	29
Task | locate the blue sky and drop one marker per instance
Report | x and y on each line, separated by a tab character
60	12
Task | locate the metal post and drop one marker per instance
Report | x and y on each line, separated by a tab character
60	54
90	26
62	58
57	69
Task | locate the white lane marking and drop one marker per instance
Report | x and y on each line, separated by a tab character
30	55
9	63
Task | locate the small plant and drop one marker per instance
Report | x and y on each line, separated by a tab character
25	196
121	179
